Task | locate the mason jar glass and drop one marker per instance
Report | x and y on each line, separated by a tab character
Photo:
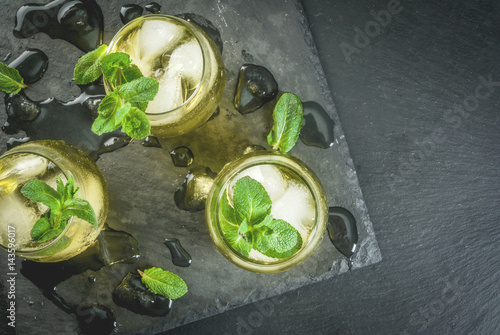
186	63
297	197
48	161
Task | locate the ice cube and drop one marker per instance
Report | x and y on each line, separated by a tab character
118	247
156	37
169	94
188	60
258	256
296	207
270	177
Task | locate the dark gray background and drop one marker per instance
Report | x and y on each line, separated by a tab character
430	176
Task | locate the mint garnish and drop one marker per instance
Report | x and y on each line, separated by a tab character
287	115
163	282
248	224
11	81
124	107
62	205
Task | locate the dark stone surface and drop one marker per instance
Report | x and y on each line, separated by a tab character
434	203
142	181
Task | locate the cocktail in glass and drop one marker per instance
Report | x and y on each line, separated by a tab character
47	161
297	197
186	63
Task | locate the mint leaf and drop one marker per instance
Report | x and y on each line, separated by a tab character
11	81
88	67
139	90
163	282
287	116
109	105
80	208
227	217
135	123
277	239
40	227
241	243
118	69
251	201
38	191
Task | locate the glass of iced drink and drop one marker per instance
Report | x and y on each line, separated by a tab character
297	197
186	63
48	161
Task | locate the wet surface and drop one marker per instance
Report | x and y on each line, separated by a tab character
31	65
182	156
130	12
317	129
342	230
180	256
256	86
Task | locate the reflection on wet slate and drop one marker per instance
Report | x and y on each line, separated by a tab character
317	128
130	12
31	65
95	319
206	25
79	22
118	247
151	142
133	295
56	120
253	148
342	230
180	256
192	194
256	86
153	7
182	156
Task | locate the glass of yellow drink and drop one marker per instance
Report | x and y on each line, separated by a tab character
186	63
297	197
48	161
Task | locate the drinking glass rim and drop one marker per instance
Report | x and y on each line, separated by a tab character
299	168
188	25
70	220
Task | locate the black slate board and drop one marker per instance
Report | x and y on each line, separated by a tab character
142	180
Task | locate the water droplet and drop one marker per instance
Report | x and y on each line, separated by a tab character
206	25
153	7
180	256
133	295
256	86
31	65
247	57
151	142
215	114
92	279
78	22
317	129
130	12
192	194
342	230
30	302
94	318
118	247
182	156
253	148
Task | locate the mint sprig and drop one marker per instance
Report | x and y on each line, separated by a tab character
124	107
62	205
163	282
11	81
287	115
248	223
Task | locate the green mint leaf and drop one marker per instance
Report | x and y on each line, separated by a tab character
10	79
227	217
106	121
88	67
277	239
39	228
118	69
122	112
38	191
139	90
287	116
251	201
135	123
244	228
163	282
69	189
241	243
80	208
